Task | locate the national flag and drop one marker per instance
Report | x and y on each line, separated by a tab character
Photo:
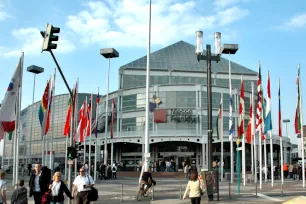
297	120
263	116
279	111
82	122
89	117
113	117
231	125
259	120
268	119
241	112
44	104
249	131
68	116
219	120
97	111
48	111
8	111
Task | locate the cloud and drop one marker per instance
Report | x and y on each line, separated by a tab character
124	23
3	14
31	43
296	22
225	3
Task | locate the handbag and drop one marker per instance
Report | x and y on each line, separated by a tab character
46	197
93	194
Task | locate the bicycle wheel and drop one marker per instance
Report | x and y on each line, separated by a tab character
148	192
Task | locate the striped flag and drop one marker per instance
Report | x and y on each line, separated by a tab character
80	133
259	114
279	112
48	111
97	113
268	119
89	117
113	115
43	107
249	131
241	112
219	120
297	121
69	111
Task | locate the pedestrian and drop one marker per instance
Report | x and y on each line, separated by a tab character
86	166
19	195
29	169
58	188
290	170
114	171
2	187
186	171
194	188
109	172
285	168
22	170
82	184
39	182
294	172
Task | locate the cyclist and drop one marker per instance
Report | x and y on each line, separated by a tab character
146	180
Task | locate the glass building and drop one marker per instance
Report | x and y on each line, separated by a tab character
178	116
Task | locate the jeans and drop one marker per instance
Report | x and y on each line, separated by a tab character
37	197
195	200
58	202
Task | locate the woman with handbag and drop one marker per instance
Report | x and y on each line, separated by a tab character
83	184
194	188
57	190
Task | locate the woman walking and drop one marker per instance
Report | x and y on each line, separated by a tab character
194	188
82	184
58	188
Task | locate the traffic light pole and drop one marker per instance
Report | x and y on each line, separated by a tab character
71	143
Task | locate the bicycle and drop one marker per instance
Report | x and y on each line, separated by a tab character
145	191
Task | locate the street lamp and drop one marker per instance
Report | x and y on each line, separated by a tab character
230	49
35	70
107	53
286	121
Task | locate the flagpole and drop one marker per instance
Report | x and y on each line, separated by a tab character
3	149
221	138
252	151
270	132
95	165
231	120
243	146
76	105
254	135
302	130
89	168
52	112
66	158
84	160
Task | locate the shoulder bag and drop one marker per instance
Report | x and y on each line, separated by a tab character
93	195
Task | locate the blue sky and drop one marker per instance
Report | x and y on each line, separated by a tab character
270	31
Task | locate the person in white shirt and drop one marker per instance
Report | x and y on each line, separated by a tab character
82	184
114	171
194	188
58	188
2	188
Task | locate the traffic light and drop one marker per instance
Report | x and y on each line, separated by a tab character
49	37
72	153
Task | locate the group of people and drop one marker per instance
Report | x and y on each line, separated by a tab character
293	171
47	190
107	172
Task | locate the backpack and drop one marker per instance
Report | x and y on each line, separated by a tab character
114	168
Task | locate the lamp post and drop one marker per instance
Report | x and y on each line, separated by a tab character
107	53
35	70
230	49
209	58
286	121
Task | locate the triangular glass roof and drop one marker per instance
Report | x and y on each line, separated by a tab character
181	56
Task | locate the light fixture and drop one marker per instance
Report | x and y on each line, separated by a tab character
217	38
199	43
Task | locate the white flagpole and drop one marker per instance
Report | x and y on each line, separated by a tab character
281	136
52	112
75	123
252	152
85	139
243	148
3	149
231	120
254	135
89	154
221	135
302	131
95	165
271	143
66	158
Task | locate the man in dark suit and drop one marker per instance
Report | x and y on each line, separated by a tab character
39	182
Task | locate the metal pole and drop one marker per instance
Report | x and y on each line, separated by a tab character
209	106
231	120
152	192
89	154
31	127
180	192
106	116
282	186
95	165
3	150
229	190
147	147
121	192
256	190
66	158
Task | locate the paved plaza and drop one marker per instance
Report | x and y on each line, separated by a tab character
167	191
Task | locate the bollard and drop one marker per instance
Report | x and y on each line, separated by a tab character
121	192
152	192
229	190
282	190
256	191
180	192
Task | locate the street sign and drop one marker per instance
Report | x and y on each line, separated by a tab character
70	161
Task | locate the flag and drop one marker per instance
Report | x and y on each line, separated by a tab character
279	112
219	120
97	111
297	120
89	117
241	112
23	120
48	111
82	122
249	131
231	125
8	107
259	111
69	112
44	104
113	116
268	119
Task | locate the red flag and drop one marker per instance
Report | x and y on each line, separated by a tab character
249	131
113	114
82	122
50	105
89	118
241	112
